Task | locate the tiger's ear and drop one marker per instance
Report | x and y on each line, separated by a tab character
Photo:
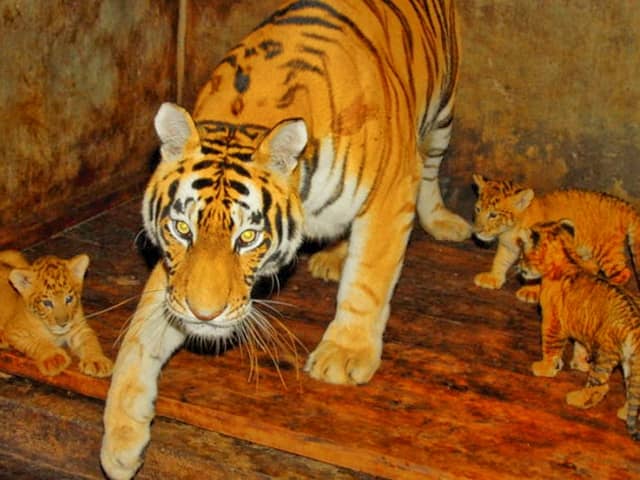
522	199
21	279
283	145
176	130
567	226
78	266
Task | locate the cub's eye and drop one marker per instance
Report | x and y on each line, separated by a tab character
182	228
247	238
492	215
47	303
68	299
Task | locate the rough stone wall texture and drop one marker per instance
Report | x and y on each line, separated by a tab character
80	81
549	95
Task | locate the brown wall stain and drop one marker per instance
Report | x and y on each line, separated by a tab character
80	83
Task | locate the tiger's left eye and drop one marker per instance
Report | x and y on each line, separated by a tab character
247	238
68	299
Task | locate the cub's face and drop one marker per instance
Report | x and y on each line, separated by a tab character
223	210
546	248
51	289
499	205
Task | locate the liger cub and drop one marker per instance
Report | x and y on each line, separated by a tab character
42	312
603	224
585	307
328	121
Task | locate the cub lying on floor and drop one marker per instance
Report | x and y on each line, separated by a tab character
587	308
602	223
42	311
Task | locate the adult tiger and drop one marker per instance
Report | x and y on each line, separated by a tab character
328	121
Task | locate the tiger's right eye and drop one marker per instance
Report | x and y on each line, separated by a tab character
47	303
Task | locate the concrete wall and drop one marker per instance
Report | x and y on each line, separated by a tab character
80	82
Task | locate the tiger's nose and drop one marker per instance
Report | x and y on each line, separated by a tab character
206	314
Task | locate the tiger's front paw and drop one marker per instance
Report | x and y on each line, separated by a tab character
587	397
98	366
529	293
488	280
54	363
445	225
546	368
345	365
122	447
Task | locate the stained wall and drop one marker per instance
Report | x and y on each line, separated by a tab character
80	81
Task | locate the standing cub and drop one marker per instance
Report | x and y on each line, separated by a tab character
603	224
575	304
42	311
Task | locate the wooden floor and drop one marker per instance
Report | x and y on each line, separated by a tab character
454	397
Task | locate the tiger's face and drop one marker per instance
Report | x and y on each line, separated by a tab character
223	210
547	248
498	206
51	289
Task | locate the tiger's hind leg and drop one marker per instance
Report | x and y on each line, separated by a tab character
597	382
327	264
434	217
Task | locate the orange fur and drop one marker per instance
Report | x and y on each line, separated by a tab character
581	306
603	226
42	311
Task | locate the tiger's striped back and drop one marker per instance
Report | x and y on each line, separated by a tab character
602	316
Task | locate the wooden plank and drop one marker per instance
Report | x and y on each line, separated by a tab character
57	434
454	396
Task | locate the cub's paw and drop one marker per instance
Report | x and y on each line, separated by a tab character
54	363
327	264
622	411
98	366
546	368
529	293
121	453
445	225
488	280
340	364
587	397
580	358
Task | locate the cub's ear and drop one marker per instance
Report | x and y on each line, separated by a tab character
283	145
21	279
176	131
567	226
479	180
522	199
78	266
